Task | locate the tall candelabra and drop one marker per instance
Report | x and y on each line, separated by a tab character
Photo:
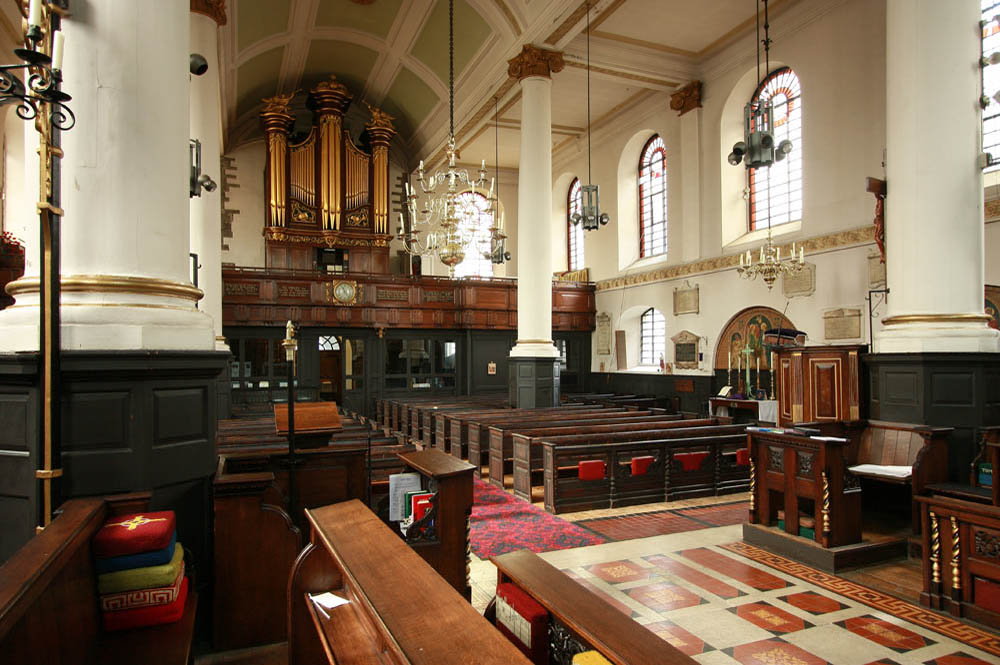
38	97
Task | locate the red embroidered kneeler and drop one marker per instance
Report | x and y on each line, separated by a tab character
524	621
132	534
592	469
147	616
690	461
640	465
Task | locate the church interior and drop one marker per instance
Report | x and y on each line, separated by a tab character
500	331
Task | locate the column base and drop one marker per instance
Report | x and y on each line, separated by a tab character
933	333
534	382
131	421
941	389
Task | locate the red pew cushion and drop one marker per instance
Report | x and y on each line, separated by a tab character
132	534
640	465
592	469
690	461
524	622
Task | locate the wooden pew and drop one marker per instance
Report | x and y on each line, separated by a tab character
579	619
400	611
455	425
586	476
525	444
411	412
49	607
499	445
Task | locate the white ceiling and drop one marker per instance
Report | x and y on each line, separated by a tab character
637	47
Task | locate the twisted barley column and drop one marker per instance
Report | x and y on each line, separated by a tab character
826	502
935	549
956	554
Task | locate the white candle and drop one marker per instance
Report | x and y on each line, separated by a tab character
58	41
491	188
482	167
802	255
741	259
421	167
35	12
729	359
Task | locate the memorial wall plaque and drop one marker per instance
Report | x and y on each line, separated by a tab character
800	283
843	323
686	299
686	350
391	294
603	334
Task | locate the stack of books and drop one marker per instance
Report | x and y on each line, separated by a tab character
140	570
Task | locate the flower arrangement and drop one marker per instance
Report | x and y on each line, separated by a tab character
10	244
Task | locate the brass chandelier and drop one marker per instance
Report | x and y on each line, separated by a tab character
757	150
443	225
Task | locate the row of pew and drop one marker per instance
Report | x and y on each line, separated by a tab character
594	451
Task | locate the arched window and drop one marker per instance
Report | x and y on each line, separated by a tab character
991	82
477	209
653	198
776	191
652	337
574	232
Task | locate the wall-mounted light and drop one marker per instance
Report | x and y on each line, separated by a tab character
198	180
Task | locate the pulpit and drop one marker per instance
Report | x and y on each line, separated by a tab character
818	383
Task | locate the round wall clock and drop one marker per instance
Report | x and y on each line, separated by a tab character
344	292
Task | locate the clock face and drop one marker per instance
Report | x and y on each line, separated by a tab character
344	291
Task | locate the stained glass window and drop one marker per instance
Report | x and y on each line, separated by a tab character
653	198
776	191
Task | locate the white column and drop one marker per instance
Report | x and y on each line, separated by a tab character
534	203
125	264
934	207
206	210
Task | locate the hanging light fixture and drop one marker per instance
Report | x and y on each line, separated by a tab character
590	210
445	223
757	150
497	251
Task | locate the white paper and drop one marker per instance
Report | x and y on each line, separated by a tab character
399	485
882	470
328	600
829	438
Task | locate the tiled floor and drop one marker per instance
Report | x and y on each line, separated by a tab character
722	608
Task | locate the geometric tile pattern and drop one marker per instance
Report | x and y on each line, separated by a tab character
721	608
915	614
887	634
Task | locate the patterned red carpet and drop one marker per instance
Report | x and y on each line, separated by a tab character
502	523
664	522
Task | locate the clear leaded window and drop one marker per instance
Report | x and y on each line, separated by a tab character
329	343
991	82
652	337
574	206
653	198
477	216
776	191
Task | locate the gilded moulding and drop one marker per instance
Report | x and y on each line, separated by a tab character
859	236
934	318
112	284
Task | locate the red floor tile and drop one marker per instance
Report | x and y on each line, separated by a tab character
812	602
719	515
887	634
773	652
737	570
680	639
957	658
772	619
689	574
664	596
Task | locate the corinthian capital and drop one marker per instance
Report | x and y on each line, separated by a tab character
534	61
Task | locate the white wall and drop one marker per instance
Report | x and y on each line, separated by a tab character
246	247
838	53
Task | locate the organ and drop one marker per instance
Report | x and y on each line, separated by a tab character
324	191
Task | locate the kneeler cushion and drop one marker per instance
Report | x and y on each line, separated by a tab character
135	533
690	461
743	457
127	600
147	616
592	469
140	560
590	658
524	621
152	577
640	465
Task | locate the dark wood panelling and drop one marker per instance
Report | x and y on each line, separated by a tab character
178	415
954	389
96	420
14	423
